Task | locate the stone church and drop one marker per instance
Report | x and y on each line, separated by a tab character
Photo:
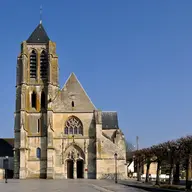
59	133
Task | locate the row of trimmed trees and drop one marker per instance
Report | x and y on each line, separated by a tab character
176	154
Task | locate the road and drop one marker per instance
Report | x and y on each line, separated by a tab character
82	185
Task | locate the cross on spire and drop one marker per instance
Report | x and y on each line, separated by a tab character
41	10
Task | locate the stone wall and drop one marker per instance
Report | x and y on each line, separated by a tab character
107	169
152	169
106	159
36	169
2	173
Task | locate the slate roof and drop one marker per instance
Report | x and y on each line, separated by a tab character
39	35
109	120
6	147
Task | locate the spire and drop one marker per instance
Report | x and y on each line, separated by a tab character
39	35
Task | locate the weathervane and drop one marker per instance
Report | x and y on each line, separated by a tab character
41	14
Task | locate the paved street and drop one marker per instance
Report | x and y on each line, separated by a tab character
64	186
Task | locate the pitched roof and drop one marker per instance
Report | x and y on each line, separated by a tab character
109	120
39	35
6	147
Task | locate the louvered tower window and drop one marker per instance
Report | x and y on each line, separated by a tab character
33	64
33	100
43	65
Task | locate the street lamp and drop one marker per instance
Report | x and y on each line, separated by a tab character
62	147
73	138
115	155
6	167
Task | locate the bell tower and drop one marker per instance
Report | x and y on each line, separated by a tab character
36	83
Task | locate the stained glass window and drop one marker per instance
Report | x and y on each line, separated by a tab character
38	152
73	126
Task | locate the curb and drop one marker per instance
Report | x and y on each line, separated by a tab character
150	188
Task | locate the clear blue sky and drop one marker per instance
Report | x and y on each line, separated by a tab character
134	57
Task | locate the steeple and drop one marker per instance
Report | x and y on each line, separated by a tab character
39	35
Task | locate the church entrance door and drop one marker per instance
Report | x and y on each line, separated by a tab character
80	168
70	167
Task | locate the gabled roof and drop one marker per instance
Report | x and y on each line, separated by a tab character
39	35
6	147
109	120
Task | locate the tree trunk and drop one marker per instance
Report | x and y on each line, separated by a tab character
147	172
171	171
188	172
138	171
158	171
177	173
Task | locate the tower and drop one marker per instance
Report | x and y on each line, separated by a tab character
36	83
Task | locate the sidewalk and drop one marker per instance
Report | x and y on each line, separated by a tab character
151	186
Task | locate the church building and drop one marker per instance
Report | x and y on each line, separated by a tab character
59	133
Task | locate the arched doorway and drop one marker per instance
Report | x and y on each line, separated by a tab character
80	167
70	167
74	161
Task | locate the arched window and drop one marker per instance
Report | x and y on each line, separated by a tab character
70	130
43	100
33	100
66	130
72	104
33	64
81	131
38	126
73	126
75	130
43	65
38	153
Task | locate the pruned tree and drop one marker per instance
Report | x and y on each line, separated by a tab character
186	148
148	160
138	158
160	151
172	150
129	151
